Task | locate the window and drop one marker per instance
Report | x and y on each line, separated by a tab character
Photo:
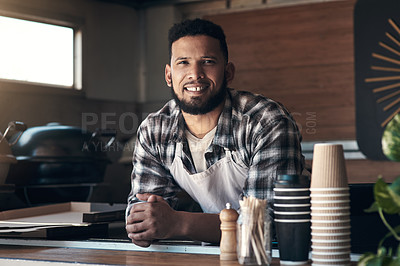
37	52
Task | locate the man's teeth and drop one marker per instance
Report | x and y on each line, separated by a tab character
195	88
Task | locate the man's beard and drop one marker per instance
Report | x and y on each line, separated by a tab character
196	107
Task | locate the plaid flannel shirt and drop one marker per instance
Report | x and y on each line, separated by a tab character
261	130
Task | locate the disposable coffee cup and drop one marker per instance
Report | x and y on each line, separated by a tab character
292	192
292	200
330	223
330	236
330	196
322	230
283	208
330	248
328	167
292	216
331	228
320	244
330	264
327	207
331	253
330	216
331	242
330	210
331	261
304	197
330	190
293	240
330	203
331	258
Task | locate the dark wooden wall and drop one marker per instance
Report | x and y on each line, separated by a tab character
303	57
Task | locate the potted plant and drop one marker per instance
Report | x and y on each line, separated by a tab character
387	201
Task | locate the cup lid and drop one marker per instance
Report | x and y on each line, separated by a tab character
293	180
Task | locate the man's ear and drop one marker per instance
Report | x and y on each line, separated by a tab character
229	72
168	77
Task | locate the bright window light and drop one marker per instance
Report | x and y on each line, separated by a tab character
36	52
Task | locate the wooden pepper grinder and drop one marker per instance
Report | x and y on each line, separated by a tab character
228	219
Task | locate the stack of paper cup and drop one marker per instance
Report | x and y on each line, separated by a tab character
292	218
330	207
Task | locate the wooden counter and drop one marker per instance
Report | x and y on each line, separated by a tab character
12	253
110	257
115	251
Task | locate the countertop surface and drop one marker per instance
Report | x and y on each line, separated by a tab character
60	253
30	254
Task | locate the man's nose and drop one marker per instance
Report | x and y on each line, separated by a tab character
196	71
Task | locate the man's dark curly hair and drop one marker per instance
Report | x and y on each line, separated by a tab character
197	27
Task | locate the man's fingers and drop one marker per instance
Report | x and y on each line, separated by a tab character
135	228
141	238
137	235
147	196
138	207
143	196
150	220
152	198
141	243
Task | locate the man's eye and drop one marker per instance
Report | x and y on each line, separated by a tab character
183	62
209	62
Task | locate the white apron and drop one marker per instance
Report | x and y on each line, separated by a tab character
221	183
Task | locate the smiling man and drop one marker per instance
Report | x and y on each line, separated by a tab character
210	145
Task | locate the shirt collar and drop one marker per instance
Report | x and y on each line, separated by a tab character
178	124
224	135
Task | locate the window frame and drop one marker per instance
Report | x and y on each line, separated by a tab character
53	18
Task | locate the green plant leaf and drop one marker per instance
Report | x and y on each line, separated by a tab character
395	262
384	198
369	259
397	230
373	208
394	191
387	261
391	139
381	252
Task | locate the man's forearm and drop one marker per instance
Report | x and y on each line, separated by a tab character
199	226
